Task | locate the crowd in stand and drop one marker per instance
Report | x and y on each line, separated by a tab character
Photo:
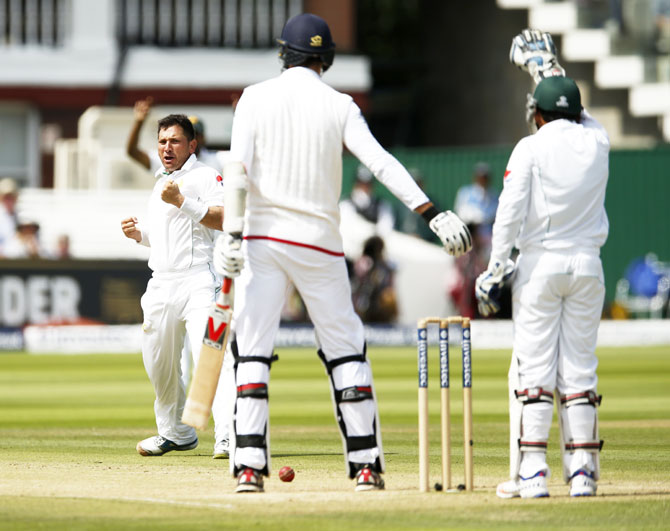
19	234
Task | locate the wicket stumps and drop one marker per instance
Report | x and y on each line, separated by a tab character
445	420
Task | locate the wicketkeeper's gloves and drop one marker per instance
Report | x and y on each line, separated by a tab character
534	52
489	284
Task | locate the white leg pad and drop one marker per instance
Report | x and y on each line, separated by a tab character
579	426
535	425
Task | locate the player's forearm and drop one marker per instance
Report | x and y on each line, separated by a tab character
213	218
385	167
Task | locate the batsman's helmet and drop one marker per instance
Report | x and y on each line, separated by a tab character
558	94
304	37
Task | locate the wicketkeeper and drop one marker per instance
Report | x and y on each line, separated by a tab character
552	208
289	132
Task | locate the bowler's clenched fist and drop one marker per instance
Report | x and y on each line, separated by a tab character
130	230
171	194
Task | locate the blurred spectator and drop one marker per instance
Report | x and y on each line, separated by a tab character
409	222
62	248
614	23
372	284
9	194
151	161
476	205
662	20
461	286
25	243
366	204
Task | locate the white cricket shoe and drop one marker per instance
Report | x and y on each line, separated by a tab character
532	487
221	449
583	484
159	445
509	489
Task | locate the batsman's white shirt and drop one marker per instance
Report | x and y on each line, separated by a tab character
289	132
553	206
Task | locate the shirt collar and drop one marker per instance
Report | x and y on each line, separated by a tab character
298	71
187	166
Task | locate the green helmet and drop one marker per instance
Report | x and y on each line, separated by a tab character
558	94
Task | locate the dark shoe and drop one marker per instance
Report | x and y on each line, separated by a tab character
249	480
368	479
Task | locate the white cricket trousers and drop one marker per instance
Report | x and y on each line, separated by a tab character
557	305
260	293
173	304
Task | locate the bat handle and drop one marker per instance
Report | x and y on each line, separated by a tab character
224	299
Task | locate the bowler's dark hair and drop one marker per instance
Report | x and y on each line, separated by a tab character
178	119
550	116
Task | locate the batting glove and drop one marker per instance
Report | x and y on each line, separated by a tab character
452	232
534	52
489	285
228	257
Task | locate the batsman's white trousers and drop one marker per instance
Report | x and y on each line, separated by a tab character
174	304
556	306
260	292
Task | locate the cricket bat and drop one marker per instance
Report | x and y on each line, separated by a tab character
206	378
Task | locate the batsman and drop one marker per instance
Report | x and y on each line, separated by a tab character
552	209
289	132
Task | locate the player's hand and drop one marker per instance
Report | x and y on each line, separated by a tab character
534	52
130	230
228	257
489	285
142	108
171	194
453	233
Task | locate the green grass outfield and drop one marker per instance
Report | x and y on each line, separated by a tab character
69	426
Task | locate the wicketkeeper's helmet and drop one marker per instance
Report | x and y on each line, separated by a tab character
306	36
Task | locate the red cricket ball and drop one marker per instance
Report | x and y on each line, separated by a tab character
286	473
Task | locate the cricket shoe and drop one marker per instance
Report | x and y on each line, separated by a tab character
582	484
158	445
221	449
532	487
509	489
368	479
249	480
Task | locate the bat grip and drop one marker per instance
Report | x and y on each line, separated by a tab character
223	299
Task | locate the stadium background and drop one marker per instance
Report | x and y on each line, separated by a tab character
432	79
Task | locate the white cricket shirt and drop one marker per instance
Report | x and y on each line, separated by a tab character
553	197
178	242
289	132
